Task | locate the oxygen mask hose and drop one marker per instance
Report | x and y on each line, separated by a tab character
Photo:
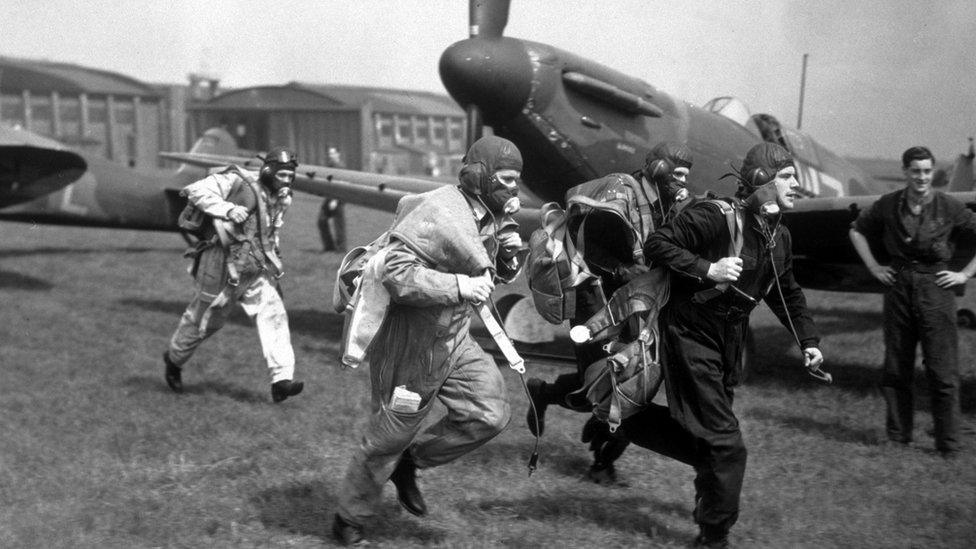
817	372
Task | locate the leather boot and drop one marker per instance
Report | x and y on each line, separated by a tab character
404	477
280	390
173	375
347	533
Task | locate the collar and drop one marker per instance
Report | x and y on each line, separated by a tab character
915	205
478	209
651	190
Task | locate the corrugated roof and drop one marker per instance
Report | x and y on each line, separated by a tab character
47	76
387	99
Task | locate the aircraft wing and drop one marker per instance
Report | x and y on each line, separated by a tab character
373	190
32	166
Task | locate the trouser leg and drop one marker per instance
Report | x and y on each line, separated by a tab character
700	396
474	394
897	378
940	343
188	335
262	302
654	428
382	442
719	481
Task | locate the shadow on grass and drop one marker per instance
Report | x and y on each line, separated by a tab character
623	514
830	430
222	388
18	281
313	322
308	509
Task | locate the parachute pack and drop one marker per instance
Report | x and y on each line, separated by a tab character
555	267
626	380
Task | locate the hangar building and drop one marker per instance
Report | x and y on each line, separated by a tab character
97	111
375	129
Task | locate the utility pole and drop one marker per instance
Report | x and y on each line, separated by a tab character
803	85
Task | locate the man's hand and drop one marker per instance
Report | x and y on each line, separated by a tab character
626	273
237	214
884	273
948	279
509	244
475	289
726	269
812	358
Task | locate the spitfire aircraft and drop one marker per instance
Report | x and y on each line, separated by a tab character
575	120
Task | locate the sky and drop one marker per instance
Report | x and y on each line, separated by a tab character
882	75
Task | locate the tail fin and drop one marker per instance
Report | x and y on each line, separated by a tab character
216	141
962	178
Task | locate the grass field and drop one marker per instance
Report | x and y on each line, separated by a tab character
97	452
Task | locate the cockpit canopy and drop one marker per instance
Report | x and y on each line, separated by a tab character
765	126
730	107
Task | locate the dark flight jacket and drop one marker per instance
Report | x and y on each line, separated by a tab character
700	236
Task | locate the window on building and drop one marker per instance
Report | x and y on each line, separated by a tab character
97	111
403	132
69	112
42	119
12	110
384	131
421	127
124	112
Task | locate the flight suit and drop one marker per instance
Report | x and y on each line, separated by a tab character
254	287
703	340
917	310
425	345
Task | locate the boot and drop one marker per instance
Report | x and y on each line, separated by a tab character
347	533
404	477
602	473
606	448
173	375
537	420
280	390
711	539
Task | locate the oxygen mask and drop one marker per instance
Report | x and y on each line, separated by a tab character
503	196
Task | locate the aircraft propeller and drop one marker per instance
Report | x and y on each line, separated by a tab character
487	20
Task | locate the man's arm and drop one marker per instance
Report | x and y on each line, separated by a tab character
883	273
948	279
965	224
410	281
209	194
679	245
792	311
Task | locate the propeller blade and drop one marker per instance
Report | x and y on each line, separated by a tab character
487	18
475	125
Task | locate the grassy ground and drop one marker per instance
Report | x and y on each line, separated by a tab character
97	452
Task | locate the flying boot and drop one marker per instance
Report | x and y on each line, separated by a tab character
404	477
280	390
347	533
606	449
173	374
